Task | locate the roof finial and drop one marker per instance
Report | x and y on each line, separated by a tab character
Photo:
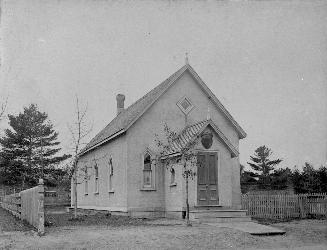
186	58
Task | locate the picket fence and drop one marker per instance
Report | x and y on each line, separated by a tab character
285	206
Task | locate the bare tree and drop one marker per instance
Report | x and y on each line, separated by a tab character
79	130
3	108
185	156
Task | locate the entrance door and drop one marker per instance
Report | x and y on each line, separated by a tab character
207	178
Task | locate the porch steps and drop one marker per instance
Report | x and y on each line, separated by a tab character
219	215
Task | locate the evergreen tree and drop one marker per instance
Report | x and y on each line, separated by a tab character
247	180
262	164
298	182
281	178
29	147
322	175
311	178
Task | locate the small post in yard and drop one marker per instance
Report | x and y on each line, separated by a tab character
40	228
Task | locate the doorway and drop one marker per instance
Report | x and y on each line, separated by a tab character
207	178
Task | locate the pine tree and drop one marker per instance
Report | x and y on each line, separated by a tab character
262	164
29	147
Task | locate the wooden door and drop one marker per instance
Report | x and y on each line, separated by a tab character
207	178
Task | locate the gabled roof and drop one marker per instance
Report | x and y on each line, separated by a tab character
126	118
191	132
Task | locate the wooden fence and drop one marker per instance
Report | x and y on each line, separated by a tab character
12	203
27	205
285	206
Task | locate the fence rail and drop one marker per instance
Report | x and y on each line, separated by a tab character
285	206
12	203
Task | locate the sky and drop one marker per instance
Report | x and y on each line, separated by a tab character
266	61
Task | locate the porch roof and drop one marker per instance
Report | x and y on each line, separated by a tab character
192	132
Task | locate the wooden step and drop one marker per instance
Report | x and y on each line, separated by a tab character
224	219
209	207
218	215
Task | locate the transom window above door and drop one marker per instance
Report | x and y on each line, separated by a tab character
185	105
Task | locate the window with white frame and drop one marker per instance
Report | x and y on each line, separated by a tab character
110	175
147	171
96	179
86	184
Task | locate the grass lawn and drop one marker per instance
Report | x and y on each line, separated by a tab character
8	222
58	220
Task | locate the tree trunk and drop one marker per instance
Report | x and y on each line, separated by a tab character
75	193
24	180
75	190
188	223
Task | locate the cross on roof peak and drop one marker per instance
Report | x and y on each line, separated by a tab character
186	58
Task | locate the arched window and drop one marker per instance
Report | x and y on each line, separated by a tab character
172	176
96	179
147	171
110	175
86	184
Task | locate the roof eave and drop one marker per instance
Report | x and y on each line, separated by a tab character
240	131
151	103
234	152
120	132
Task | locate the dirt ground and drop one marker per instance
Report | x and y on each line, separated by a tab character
165	234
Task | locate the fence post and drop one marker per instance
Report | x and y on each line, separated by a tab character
40	228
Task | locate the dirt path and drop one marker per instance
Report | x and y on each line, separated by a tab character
306	234
303	234
134	237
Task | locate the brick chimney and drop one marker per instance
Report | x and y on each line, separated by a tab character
120	103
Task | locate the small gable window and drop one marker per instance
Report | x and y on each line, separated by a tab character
185	105
96	179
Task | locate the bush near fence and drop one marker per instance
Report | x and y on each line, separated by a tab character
6	190
56	198
285	206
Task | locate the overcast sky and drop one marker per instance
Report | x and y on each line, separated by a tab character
266	61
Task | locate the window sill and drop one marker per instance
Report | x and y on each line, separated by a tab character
173	184
111	191
148	189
